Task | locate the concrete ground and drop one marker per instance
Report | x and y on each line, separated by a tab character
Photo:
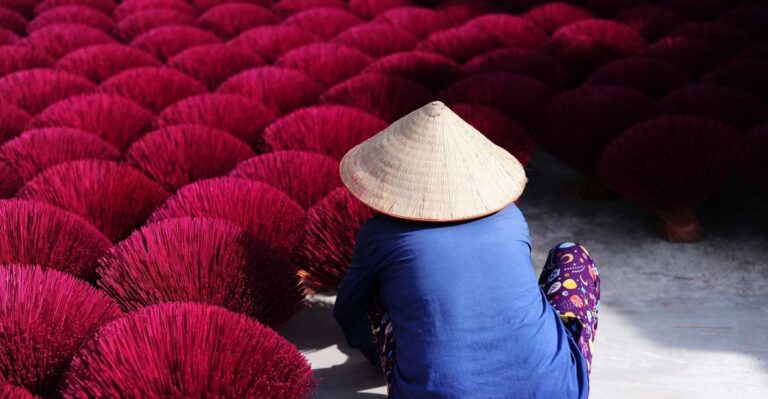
677	321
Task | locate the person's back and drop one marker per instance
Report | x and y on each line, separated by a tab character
440	291
468	316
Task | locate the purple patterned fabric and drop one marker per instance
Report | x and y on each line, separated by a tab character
383	339
572	285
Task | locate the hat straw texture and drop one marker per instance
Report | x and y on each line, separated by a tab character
431	165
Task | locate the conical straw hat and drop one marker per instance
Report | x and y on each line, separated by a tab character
431	165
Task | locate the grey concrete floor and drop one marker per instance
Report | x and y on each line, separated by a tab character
677	321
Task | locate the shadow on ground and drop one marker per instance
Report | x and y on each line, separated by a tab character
343	372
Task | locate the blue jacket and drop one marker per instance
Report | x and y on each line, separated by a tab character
468	316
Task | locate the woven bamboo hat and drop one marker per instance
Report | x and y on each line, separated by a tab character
431	165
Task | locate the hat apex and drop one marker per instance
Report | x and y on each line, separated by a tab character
432	165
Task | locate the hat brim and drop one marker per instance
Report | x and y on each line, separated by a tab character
431	165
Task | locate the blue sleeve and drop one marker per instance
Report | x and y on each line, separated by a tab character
351	308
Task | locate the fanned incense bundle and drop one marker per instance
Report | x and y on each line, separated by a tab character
60	39
134	25
237	115
115	198
431	70
652	21
105	6
265	212
607	8
552	16
25	8
327	63
524	61
10	181
228	61
697	9
18	58
290	7
8	391
205	261
130	7
325	22
204	5
748	75
33	90
691	55
653	77
8	37
581	122
192	350
178	155
726	104
72	14
305	176
326	129
519	97
501	130
368	9
152	87
377	40
38	149
272	41
510	30
718	34
460	44
282	90
231	19
117	120
388	97
12	121
46	316
419	21
585	45
36	233
326	251
461	11
701	151
102	61
12	20
166	41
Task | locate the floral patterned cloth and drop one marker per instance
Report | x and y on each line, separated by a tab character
572	285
